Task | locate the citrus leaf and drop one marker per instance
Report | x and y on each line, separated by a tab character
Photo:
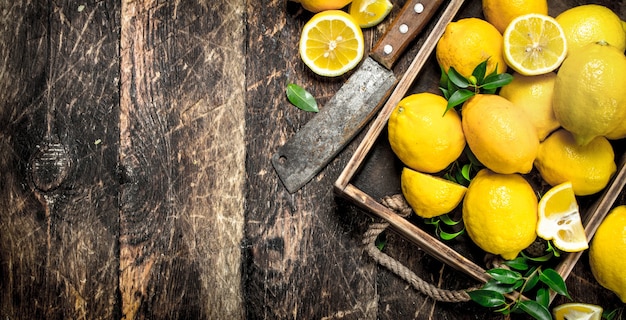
518	263
531	281
496	81
457	78
480	71
443	79
449	236
505	276
465	171
448	221
495	285
301	98
543	297
487	298
534	309
458	97
554	280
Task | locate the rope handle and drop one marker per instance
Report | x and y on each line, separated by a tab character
399	205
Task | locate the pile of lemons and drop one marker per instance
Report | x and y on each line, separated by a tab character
565	104
331	42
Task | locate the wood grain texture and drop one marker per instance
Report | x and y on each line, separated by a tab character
59	213
181	153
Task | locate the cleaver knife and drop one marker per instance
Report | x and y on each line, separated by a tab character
356	102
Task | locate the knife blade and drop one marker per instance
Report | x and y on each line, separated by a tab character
354	104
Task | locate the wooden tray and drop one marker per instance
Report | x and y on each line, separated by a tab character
365	192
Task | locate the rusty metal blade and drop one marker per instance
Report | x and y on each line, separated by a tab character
321	139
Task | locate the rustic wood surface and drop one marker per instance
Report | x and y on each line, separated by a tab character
135	147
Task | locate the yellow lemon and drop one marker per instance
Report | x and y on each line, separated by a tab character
577	310
559	219
430	196
590	23
607	252
500	213
501	12
421	135
331	43
499	134
533	94
589	99
468	42
589	168
321	5
534	44
369	13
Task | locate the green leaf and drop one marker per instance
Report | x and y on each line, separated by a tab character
480	71
446	93
457	78
497	81
543	258
487	298
495	285
448	221
443	79
535	310
465	171
554	280
543	297
518	263
380	242
458	97
531	281
432	221
505	276
609	314
449	236
301	98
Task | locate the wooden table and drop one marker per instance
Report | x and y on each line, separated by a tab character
135	146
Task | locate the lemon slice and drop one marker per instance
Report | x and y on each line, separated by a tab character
430	196
559	219
534	44
577	311
331	43
369	13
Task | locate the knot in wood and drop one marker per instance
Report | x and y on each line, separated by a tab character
50	166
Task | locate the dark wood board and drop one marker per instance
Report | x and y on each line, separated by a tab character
136	182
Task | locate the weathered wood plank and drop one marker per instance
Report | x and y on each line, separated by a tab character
182	156
59	213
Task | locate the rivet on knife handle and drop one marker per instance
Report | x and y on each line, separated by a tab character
411	20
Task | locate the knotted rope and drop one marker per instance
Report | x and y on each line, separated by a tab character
399	205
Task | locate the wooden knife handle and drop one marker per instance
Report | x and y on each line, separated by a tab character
413	17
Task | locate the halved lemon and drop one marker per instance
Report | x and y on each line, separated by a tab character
331	43
534	44
559	219
430	196
369	13
577	311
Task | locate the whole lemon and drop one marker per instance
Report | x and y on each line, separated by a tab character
589	168
501	12
533	94
590	23
468	42
421	135
589	99
499	134
500	213
430	196
321	5
607	252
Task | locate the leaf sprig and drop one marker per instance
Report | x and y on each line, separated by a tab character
444	220
457	89
523	278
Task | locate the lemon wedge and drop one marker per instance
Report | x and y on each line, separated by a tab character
430	196
577	311
369	13
559	219
331	43
534	44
